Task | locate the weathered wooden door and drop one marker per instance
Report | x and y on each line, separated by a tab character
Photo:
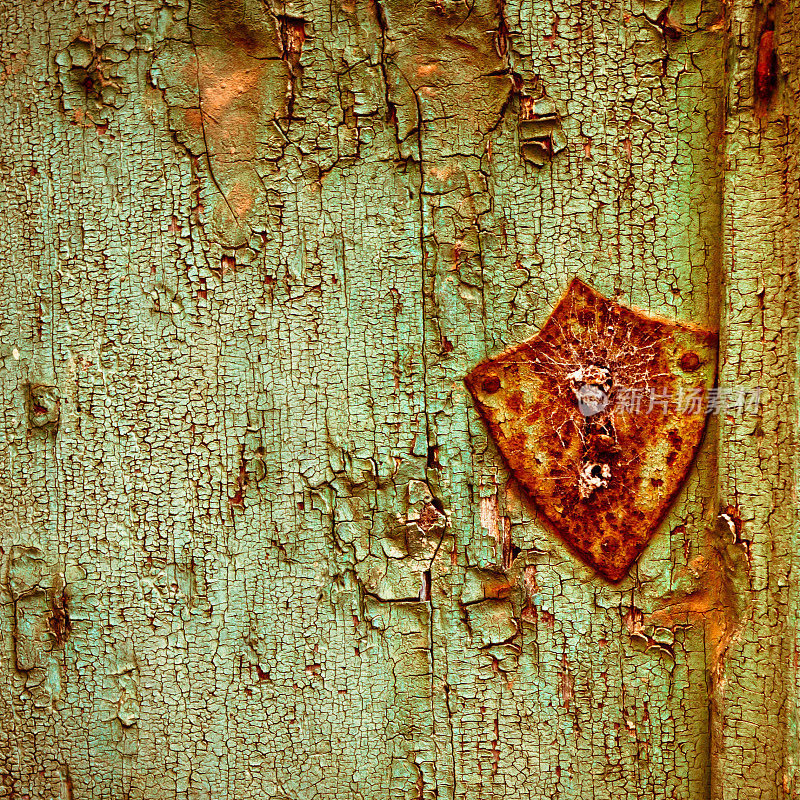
256	541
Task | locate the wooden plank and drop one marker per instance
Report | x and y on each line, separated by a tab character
255	250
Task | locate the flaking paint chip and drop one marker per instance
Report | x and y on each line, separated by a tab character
599	417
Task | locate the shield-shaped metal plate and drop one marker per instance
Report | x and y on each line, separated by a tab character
599	417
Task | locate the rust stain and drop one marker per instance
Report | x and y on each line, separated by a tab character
43	406
293	35
714	602
599	417
59	622
670	29
766	72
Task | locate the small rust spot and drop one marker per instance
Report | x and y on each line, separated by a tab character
766	73
44	406
425	586
670	30
59	621
491	384
689	362
293	35
587	415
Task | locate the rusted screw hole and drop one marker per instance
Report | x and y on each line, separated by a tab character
591	386
593	476
689	362
491	384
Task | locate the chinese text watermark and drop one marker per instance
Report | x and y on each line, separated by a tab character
733	401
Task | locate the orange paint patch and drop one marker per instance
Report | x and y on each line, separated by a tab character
240	199
441	173
219	90
423	70
191	118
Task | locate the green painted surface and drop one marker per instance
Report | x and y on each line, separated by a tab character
256	248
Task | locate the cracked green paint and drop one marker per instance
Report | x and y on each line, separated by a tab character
253	249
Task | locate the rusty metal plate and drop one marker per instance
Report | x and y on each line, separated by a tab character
599	417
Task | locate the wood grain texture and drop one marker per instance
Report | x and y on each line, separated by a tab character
257	542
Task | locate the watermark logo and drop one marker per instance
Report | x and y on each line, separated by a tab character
592	387
591	399
734	401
